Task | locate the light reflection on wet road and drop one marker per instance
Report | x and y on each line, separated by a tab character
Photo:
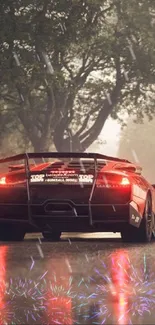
77	281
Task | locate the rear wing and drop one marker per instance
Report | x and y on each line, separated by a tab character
93	160
129	167
78	155
86	163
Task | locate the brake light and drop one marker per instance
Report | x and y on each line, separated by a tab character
3	181
112	181
125	181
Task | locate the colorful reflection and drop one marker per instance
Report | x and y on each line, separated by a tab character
5	314
117	292
59	293
123	290
27	297
59	310
120	274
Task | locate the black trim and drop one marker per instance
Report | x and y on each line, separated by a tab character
60	155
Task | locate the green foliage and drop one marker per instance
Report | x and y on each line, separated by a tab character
68	65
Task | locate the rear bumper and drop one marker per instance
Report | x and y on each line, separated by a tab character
73	217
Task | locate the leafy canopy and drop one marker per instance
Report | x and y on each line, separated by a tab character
65	66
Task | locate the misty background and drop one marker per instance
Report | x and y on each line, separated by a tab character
78	75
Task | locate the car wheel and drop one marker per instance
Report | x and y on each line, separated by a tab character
52	236
11	233
145	232
146	228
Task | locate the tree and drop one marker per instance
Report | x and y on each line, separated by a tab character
137	145
67	65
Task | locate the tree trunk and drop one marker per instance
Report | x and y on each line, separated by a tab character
69	145
40	145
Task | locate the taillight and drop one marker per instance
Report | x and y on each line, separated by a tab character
125	181
112	181
3	181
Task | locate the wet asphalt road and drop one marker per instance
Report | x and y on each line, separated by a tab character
77	281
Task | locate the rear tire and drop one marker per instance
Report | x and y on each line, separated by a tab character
145	232
52	236
11	233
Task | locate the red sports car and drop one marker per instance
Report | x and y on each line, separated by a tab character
82	192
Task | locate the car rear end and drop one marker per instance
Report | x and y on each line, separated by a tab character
69	192
77	193
61	194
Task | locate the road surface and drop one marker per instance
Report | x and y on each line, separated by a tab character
80	280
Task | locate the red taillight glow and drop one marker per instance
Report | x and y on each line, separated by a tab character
3	181
110	180
125	181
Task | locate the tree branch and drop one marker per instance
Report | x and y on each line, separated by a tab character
66	66
90	135
84	125
80	79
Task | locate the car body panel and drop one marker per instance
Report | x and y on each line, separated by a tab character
107	194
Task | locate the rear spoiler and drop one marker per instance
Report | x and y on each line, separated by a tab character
129	167
27	156
17	167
